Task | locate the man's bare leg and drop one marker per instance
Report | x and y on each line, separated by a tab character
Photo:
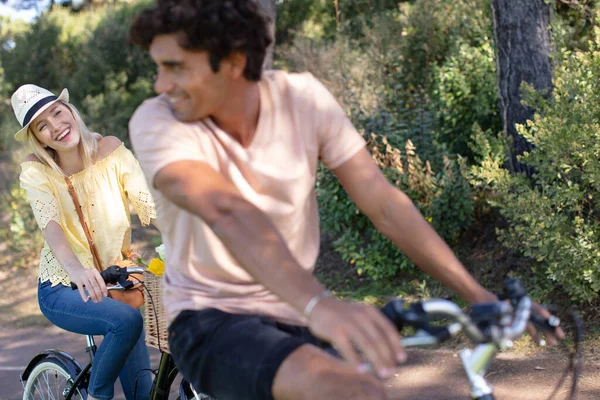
312	374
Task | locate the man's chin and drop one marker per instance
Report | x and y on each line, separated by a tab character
186	116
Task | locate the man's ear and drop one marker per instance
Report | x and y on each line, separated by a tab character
236	63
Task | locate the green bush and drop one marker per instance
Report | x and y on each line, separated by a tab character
554	218
22	231
435	29
444	198
49	52
108	113
464	92
108	61
574	23
423	71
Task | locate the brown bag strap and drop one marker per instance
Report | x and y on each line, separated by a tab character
88	236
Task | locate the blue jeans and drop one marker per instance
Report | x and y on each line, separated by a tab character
122	353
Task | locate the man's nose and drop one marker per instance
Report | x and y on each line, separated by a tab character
162	83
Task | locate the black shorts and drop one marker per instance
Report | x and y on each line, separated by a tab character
230	356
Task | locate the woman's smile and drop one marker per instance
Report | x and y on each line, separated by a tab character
64	135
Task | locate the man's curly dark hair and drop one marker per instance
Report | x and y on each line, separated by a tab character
216	26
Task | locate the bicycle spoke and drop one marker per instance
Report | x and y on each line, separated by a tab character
47	381
49	386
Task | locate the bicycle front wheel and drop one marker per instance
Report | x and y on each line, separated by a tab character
51	379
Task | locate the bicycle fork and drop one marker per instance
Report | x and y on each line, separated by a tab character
476	363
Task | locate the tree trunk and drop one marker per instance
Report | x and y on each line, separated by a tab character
522	54
269	8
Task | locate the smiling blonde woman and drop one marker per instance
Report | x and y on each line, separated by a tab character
106	179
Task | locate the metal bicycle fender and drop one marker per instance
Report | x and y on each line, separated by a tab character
70	364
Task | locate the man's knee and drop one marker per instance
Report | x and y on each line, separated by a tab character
310	373
359	386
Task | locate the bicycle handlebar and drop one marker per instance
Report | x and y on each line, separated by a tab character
117	276
492	326
499	322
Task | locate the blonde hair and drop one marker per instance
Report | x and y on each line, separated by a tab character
88	144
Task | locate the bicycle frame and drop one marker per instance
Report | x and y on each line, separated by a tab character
167	371
91	350
475	363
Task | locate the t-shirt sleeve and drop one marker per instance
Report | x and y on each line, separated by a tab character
39	194
134	182
338	138
158	139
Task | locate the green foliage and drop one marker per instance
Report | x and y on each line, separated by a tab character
434	31
444	198
88	53
46	54
464	92
423	71
21	232
555	218
108	62
109	112
573	23
8	127
116	77
304	16
8	31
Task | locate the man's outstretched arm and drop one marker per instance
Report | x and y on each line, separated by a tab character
254	241
247	232
394	214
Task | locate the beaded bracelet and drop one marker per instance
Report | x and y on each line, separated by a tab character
314	301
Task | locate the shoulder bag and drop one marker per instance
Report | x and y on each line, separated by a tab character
133	296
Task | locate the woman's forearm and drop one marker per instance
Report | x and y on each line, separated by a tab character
56	239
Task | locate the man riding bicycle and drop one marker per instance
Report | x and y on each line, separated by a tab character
232	155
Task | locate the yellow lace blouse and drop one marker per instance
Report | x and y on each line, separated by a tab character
104	195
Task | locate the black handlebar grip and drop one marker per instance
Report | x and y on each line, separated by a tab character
514	290
111	274
394	311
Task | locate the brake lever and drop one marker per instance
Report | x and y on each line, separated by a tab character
124	282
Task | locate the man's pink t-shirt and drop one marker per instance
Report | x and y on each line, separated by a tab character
300	123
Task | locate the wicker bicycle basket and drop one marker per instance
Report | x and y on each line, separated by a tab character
154	314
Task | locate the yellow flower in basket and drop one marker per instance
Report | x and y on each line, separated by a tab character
157	266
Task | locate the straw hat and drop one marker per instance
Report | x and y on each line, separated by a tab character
29	101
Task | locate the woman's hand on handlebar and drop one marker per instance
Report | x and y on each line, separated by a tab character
90	280
353	327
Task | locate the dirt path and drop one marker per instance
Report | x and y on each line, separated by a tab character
428	375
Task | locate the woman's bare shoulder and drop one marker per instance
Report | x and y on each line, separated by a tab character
108	144
32	157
